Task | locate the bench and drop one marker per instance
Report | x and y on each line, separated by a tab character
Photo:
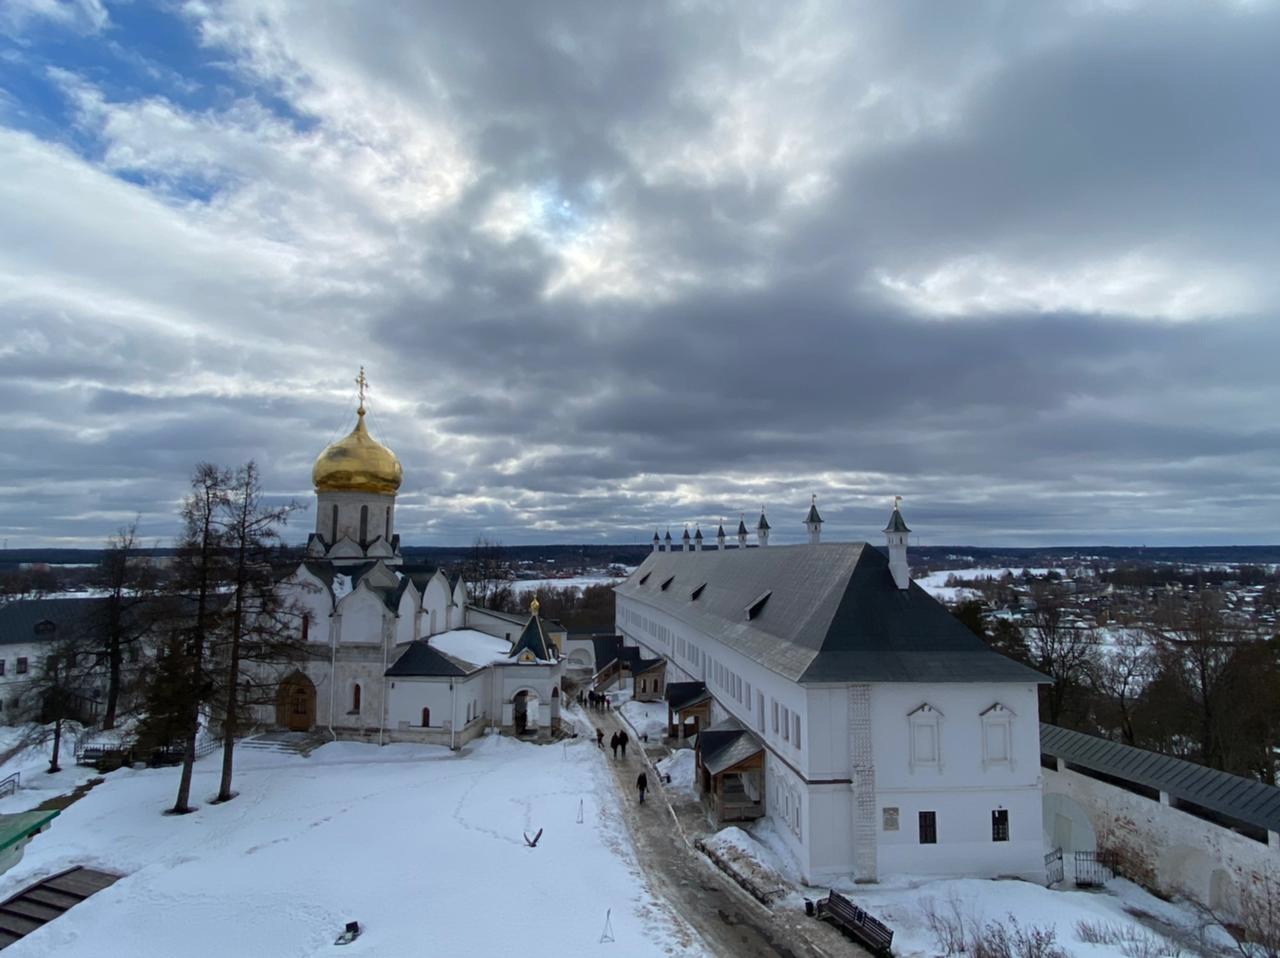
855	923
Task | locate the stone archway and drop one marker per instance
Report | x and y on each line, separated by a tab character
524	711
296	703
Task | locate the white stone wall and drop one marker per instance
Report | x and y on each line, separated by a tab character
1165	848
348	525
451	701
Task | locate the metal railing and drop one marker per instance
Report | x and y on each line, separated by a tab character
11	784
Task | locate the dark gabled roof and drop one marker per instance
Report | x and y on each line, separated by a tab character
683	694
1243	799
641	666
533	639
668	535
742	527
720	531
813	514
71	618
763	523
725	745
834	614
421	659
324	571
895	523
697	534
606	649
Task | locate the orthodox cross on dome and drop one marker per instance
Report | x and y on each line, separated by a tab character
361	385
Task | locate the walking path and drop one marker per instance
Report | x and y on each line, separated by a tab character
729	920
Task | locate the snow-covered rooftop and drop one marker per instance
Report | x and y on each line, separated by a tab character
478	648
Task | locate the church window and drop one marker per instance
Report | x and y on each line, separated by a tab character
796	723
1000	825
925	738
928	828
387	528
426	716
306	625
775	718
364	524
555	692
333	529
355	699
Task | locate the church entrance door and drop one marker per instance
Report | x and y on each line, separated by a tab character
296	703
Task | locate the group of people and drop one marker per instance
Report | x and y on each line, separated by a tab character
619	743
595	700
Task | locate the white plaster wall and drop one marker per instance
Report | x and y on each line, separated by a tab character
1164	847
436	599
349	504
363	617
311	596
406	626
408	696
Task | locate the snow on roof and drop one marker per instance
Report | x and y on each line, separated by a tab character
478	648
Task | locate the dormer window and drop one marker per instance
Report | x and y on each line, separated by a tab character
645	578
693	596
756	607
925	730
667	583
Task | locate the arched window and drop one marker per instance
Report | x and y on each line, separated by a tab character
355	699
364	524
555	692
306	625
333	534
426	716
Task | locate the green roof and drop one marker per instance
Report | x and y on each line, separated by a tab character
14	828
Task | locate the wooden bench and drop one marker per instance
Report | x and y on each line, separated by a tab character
855	923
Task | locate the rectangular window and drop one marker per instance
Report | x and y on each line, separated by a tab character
1000	825
759	705
22	666
1	666
797	729
928	828
775	712
786	724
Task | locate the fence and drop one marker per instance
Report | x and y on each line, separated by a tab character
1053	866
1094	869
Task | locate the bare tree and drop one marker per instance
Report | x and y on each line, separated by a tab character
487	571
1120	673
57	694
1060	651
258	627
123	620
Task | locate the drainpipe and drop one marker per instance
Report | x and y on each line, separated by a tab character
333	673
382	723
453	715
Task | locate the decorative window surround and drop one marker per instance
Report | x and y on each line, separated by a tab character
925	727
997	737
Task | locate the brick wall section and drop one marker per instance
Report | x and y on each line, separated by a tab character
862	765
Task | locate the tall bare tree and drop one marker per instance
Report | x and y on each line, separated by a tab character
1120	673
487	571
1059	650
258	628
123	620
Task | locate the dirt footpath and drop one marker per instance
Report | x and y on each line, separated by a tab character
729	920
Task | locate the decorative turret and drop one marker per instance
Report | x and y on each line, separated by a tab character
762	529
656	541
685	539
813	522
697	539
895	534
666	541
720	536
742	530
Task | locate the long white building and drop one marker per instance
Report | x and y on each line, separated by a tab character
879	733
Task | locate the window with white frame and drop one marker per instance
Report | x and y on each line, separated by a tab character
925	728
997	736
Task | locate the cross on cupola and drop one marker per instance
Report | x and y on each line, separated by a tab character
361	385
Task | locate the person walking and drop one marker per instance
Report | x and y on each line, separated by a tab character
599	738
642	782
622	741
613	743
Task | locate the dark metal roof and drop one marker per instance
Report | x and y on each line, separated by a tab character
895	523
70	618
606	649
421	659
725	745
1244	799
834	615
813	516
533	639
763	523
641	666
742	527
682	694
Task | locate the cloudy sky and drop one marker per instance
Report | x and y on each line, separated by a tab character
618	266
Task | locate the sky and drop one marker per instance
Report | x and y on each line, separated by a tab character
618	267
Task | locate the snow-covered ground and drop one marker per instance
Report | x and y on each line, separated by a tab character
903	904
647	718
478	648
422	846
579	582
680	765
935	583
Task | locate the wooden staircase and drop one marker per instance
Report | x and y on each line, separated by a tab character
46	900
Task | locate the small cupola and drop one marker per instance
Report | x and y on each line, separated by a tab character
813	522
762	529
896	533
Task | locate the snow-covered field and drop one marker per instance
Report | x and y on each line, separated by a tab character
580	582
935	583
422	846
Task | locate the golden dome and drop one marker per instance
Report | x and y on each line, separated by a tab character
357	463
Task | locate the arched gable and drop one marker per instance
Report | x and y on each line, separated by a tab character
407	623
363	615
436	598
311	597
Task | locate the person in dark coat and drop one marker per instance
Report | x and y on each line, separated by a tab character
622	741
642	782
599	738
613	743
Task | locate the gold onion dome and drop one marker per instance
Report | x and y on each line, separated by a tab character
357	463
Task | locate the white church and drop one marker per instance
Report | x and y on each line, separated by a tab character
396	655
834	696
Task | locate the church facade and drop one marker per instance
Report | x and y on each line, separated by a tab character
834	696
396	653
